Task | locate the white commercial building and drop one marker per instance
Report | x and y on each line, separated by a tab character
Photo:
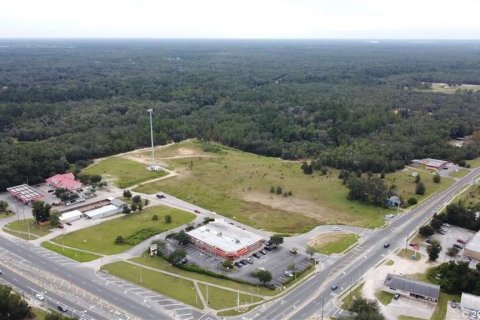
225	240
470	303
472	249
102	212
71	216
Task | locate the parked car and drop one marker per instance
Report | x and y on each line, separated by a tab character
458	246
39	296
288	273
160	196
69	223
386	245
184	261
249	260
60	226
263	252
441	231
237	264
242	262
428	241
268	248
462	241
446	225
396	296
62	308
256	255
334	287
453	304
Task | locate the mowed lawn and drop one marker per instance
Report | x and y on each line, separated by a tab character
471	196
475	163
237	184
336	243
220	299
138	226
125	173
28	225
405	183
70	253
174	287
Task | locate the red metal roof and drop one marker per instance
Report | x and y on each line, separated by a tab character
65	181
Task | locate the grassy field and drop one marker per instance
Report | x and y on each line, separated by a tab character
134	228
471	196
179	289
159	263
125	173
460	173
337	243
442	305
390	263
384	297
28	225
408	318
233	312
237	184
70	253
220	299
445	88
475	163
405	183
408	253
4	214
356	293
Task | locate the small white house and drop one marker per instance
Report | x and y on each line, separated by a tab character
102	212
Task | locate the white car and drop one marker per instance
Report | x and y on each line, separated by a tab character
336	229
288	274
39	296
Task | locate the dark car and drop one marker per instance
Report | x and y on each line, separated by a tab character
69	223
237	264
160	196
256	255
461	241
334	287
268	248
458	246
386	245
243	262
184	261
396	296
428	241
60	226
196	211
263	252
62	308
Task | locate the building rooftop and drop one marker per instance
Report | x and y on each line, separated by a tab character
99	211
71	214
414	286
24	193
470	301
474	243
224	236
66	181
435	163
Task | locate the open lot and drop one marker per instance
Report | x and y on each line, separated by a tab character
134	228
123	172
237	184
71	253
405	182
471	196
474	163
333	242
220	298
24	227
447	89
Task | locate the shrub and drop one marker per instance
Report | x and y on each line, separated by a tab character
426	231
127	194
168	218
436	178
420	188
119	240
412	201
155	217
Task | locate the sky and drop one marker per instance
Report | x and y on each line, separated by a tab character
250	19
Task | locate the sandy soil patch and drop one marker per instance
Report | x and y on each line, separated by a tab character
325	238
290	204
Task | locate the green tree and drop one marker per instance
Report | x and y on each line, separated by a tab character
137	199
436	178
54	218
126	210
41	211
420	189
96	178
272	189
276	239
452	252
12	306
3	205
227	264
182	238
119	240
278	190
433	250
168	218
417	178
177	256
426	231
436	223
307	168
412	201
264	276
154	217
133	207
127	194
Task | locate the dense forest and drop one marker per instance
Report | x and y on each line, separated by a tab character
354	105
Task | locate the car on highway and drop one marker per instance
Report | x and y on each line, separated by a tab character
0	271
334	287
386	245
160	196
336	229
197	211
39	296
62	308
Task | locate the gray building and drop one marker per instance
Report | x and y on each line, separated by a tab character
411	288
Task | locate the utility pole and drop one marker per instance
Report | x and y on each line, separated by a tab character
150	111
323	304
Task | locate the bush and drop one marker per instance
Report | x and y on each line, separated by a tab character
452	252
127	194
168	218
278	190
436	178
137	199
412	201
155	217
119	240
420	189
426	231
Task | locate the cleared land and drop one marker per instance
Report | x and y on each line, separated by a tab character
471	196
460	173
70	253
159	263
123	172
408	254
27	226
329	243
174	287
134	228
405	183
475	163
447	89
237	184
220	299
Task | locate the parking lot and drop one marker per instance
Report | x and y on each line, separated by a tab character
276	261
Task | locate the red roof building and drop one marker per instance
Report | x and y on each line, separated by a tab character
64	181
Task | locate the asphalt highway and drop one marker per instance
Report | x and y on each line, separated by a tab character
307	299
